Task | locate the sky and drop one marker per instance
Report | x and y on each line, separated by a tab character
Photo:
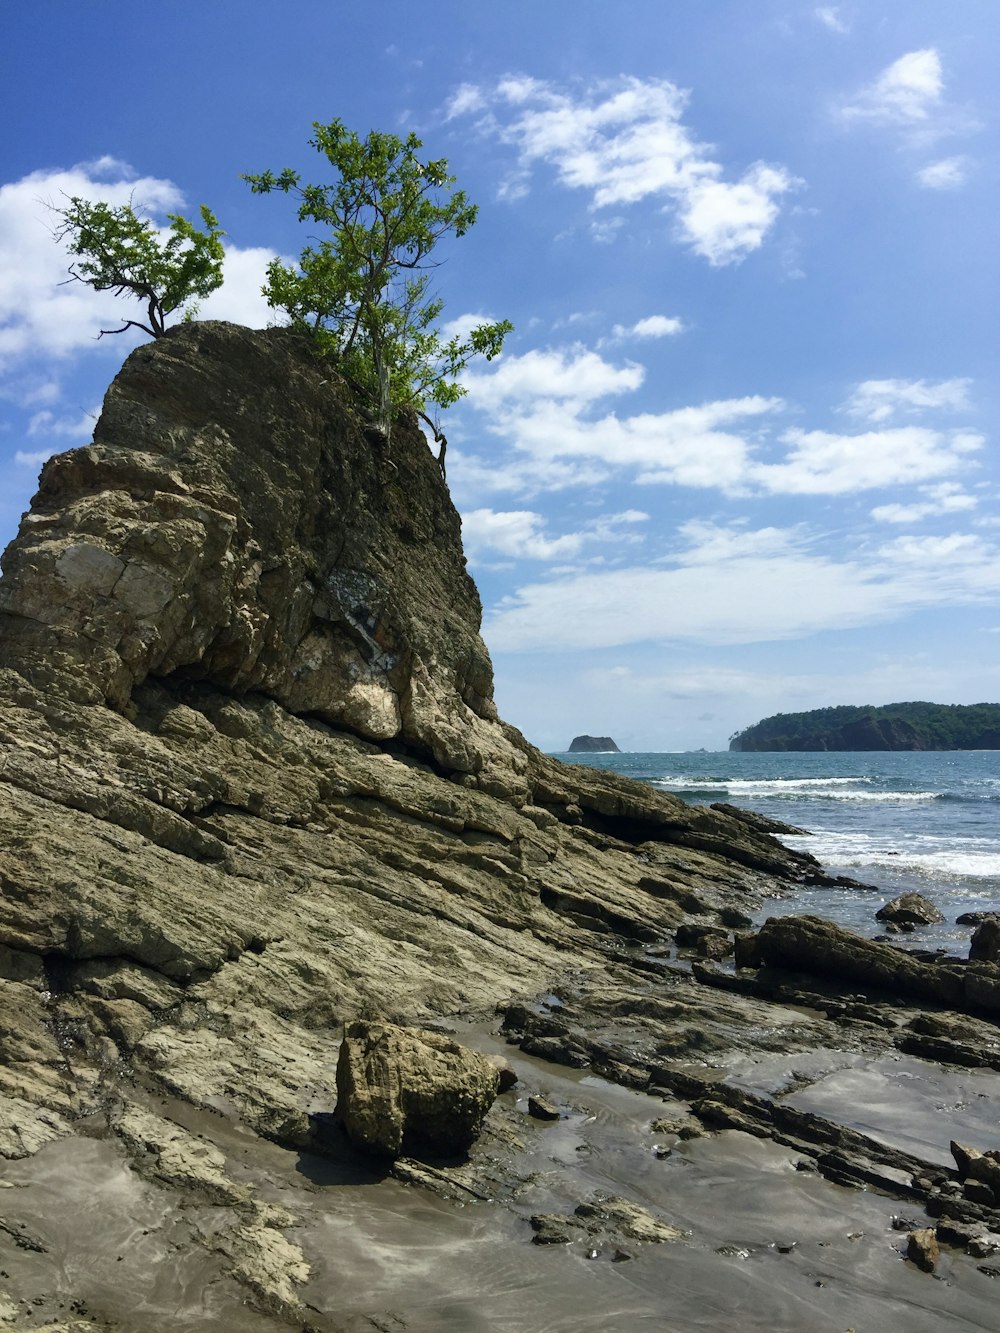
740	453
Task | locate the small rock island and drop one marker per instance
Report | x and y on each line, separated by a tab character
593	745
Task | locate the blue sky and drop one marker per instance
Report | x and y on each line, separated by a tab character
740	453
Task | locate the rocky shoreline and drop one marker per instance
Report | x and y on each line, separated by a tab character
253	789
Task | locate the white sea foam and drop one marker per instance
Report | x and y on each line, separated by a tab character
927	857
824	789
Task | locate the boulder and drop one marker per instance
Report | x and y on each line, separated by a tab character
910	909
407	1090
984	946
810	944
922	1248
973	1165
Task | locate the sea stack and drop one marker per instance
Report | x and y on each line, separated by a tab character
593	745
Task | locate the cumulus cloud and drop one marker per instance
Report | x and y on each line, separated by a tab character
653	326
42	314
520	533
571	376
908	98
945	498
727	588
547	406
908	92
950	173
624	145
80	426
32	458
881	400
824	463
691	446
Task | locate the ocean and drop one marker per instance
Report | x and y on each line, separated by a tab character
924	821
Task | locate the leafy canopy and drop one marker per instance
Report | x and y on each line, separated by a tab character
363	290
121	252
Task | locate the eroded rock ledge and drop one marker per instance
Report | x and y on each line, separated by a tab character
253	787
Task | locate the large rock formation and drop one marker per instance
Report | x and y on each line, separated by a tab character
253	787
592	745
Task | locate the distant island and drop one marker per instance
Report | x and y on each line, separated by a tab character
592	745
906	726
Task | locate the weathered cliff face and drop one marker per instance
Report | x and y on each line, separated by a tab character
235	523
253	786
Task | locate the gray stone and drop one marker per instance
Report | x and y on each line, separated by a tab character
405	1090
910	909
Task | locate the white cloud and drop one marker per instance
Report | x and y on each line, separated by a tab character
605	230
35	458
543	404
40	313
946	498
470	477
74	427
829	16
462	325
520	533
724	221
572	376
626	145
822	463
240	298
948	174
466	99
741	588
908	92
880	400
690	446
653	326
657	326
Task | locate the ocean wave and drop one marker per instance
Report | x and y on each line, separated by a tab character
977	859
792	789
755	786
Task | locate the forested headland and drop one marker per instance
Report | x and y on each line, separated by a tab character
900	726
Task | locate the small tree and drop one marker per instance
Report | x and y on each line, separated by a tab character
123	253
363	290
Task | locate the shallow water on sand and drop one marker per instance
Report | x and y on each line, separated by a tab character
798	1253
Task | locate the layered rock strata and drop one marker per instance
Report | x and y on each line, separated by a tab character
253	787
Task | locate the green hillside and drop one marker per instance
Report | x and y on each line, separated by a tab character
905	726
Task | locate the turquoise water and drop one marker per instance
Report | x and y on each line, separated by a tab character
898	821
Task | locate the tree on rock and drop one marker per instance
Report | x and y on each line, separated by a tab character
363	290
126	254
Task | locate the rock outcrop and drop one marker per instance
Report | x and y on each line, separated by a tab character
592	745
253	788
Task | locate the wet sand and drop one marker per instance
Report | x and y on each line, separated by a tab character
768	1247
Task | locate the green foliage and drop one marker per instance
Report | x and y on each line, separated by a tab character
363	289
120	252
903	726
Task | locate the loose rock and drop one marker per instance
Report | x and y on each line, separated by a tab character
402	1089
910	909
922	1248
542	1109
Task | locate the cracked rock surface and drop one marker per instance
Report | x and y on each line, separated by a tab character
253	787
